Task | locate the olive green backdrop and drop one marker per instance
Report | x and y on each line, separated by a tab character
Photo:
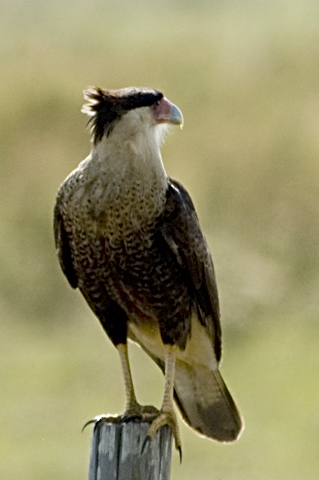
246	76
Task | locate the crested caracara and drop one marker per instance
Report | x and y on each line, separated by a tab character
128	237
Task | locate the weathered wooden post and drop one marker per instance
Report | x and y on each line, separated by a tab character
119	451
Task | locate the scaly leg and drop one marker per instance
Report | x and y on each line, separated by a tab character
167	414
130	398
132	407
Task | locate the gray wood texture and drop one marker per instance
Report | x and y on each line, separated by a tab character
116	451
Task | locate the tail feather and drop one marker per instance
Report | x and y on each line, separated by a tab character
205	402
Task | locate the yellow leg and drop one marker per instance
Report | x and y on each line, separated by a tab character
132	407
167	414
130	402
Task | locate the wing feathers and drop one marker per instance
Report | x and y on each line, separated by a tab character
63	248
182	233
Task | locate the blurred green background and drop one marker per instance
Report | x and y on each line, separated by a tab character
246	76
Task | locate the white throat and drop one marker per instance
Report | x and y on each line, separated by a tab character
139	153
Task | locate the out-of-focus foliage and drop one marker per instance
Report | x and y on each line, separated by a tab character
245	74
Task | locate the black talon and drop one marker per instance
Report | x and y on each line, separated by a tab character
127	418
89	423
95	420
180	454
147	439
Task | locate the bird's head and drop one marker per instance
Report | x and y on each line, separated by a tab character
133	108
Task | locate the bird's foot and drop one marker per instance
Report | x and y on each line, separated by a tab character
148	413
103	419
167	417
143	412
135	411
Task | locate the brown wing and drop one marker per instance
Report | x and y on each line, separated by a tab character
182	232
199	391
63	248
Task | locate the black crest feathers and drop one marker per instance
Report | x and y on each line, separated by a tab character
105	107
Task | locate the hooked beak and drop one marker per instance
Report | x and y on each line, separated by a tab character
167	112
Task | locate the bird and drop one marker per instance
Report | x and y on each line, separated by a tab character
128	237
